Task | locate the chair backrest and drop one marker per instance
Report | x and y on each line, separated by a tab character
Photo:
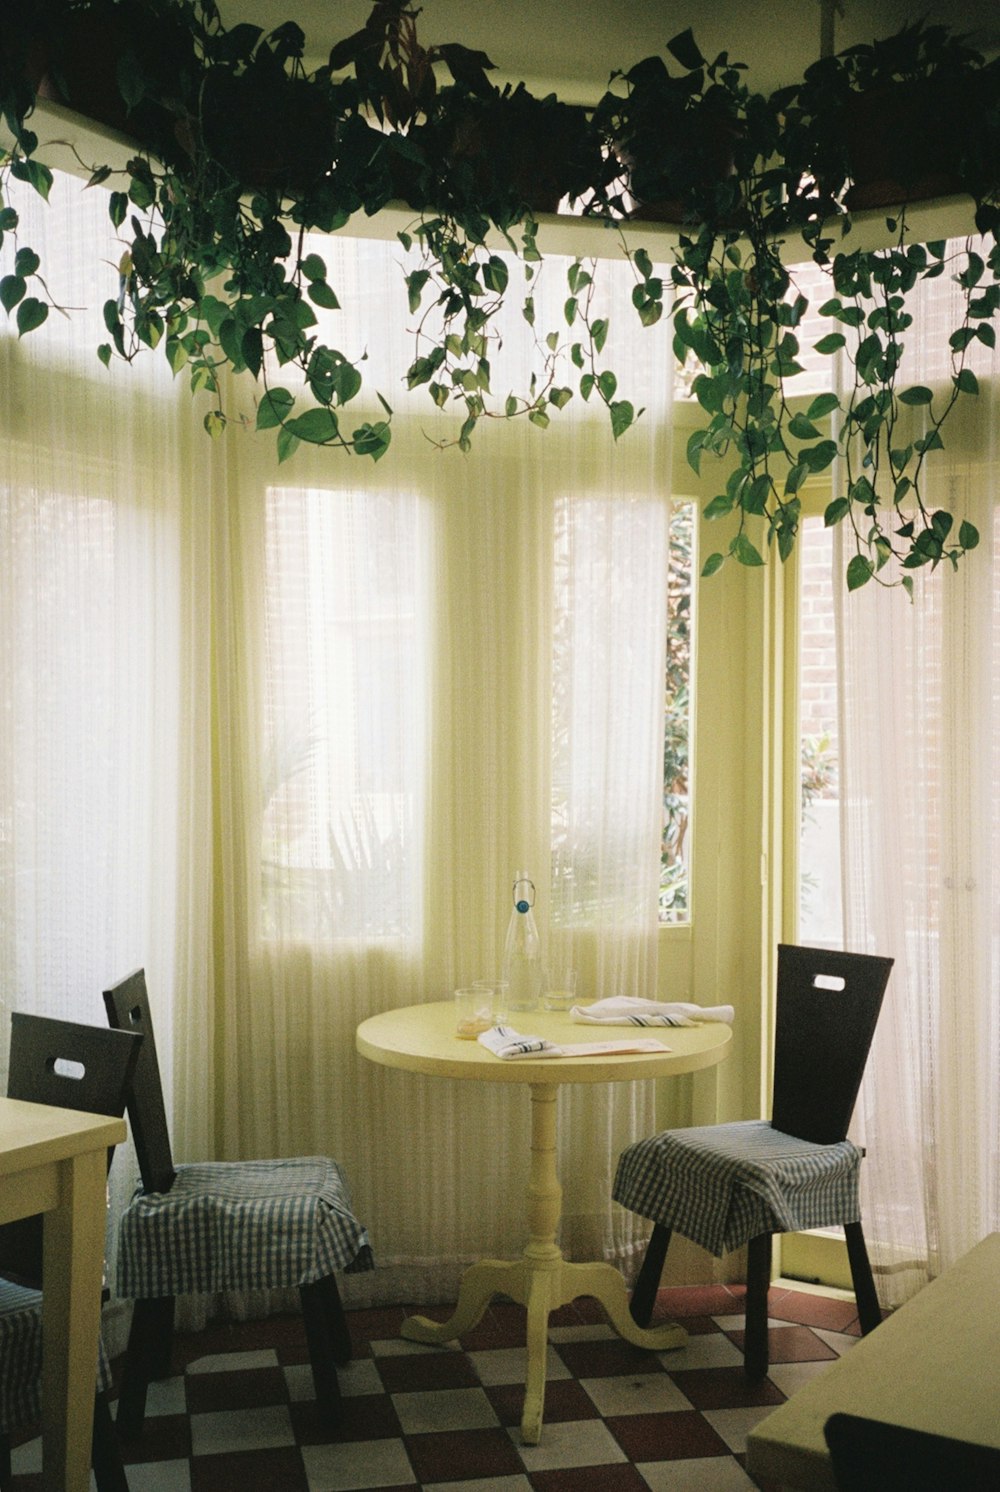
127	1004
69	1066
870	1456
827	1005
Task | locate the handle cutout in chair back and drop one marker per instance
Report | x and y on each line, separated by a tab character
829	981
65	1067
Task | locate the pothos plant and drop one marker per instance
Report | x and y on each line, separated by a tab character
242	152
256	152
780	191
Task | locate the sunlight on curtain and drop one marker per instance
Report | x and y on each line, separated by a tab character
920	754
450	667
96	493
282	734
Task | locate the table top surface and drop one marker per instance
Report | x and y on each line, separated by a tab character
421	1038
932	1365
33	1134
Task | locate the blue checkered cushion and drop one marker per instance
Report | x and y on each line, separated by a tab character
241	1225
722	1184
21	1357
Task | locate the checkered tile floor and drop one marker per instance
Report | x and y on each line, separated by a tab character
238	1415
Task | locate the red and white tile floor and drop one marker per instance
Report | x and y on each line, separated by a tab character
238	1417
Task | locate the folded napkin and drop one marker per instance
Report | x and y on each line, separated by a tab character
627	1010
504	1042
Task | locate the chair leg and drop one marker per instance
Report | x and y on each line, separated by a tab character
322	1357
340	1336
648	1279
755	1351
147	1358
105	1457
869	1310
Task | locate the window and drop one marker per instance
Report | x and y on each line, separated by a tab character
675	888
344	742
820	918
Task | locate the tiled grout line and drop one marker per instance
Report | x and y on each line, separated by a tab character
239	1413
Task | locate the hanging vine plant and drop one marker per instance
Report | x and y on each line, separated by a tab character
241	152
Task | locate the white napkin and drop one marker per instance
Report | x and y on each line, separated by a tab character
504	1042
627	1010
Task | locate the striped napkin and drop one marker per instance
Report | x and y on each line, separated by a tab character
627	1010
504	1042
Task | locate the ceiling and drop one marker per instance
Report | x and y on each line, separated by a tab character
574	45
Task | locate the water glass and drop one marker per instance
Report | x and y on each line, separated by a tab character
560	989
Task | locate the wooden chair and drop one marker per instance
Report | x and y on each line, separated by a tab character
725	1185
871	1456
224	1225
70	1066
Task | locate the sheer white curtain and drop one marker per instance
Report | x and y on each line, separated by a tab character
100	497
444	668
282	735
920	762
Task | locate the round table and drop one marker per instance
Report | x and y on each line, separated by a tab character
421	1038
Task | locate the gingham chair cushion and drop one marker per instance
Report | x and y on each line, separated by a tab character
241	1225
21	1357
722	1184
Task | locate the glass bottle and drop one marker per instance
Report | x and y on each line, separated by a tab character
522	954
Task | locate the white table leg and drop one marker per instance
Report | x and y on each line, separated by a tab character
542	1280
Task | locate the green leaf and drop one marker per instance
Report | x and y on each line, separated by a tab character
859	572
968	535
215	423
26	262
495	274
510	408
30	314
317	426
607	384
570	310
831	343
104	353
288	443
695	447
117	208
745	552
321	294
916	395
796	476
713	563
313	267
12	289
720	506
802	428
36	174
966	381
823	404
559	397
622	416
599	332
836	511
685	49
273	408
373	440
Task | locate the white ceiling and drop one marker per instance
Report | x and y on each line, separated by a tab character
574	45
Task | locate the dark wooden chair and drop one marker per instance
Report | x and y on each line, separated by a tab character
224	1225
70	1066
728	1184
871	1456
